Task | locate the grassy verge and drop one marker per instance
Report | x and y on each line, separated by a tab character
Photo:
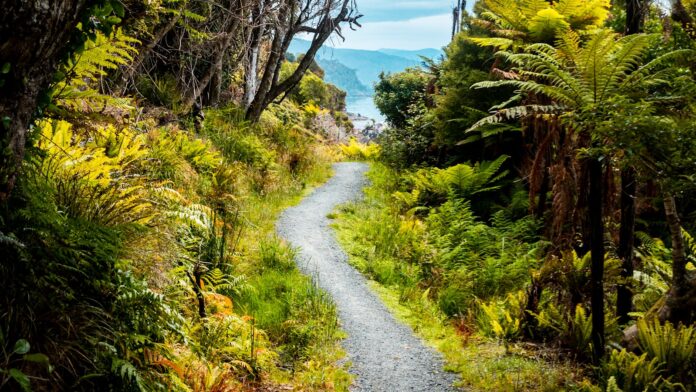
390	250
297	317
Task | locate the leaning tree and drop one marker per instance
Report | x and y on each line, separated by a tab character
273	32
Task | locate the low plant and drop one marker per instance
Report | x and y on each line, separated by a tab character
14	359
626	371
355	150
502	319
673	347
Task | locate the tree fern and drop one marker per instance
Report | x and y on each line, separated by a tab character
576	78
512	23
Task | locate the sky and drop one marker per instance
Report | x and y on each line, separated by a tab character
401	24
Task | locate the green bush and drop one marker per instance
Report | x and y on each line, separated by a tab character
631	372
672	347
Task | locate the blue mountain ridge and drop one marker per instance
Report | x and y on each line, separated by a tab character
356	70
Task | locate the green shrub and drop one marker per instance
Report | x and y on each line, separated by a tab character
359	151
502	319
292	310
631	372
672	347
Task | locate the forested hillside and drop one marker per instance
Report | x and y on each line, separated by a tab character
368	64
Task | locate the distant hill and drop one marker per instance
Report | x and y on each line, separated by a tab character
414	54
367	64
345	78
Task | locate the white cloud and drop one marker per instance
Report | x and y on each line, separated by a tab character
410	34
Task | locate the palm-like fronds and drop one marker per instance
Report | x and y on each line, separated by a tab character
512	23
576	77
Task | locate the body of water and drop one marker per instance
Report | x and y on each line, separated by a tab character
364	106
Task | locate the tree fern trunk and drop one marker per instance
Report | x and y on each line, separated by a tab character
597	267
635	14
624	294
678	298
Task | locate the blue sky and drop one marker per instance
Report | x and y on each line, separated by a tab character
401	24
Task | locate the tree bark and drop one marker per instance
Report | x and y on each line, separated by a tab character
287	27
251	71
595	204
196	283
635	15
230	31
679	304
677	299
34	35
624	294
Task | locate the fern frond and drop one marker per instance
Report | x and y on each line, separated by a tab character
516	113
78	92
493	42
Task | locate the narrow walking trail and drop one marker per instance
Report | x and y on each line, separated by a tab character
385	354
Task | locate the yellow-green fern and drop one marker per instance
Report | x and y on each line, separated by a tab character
512	23
77	91
89	182
673	347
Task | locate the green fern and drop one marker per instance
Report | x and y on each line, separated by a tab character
433	186
673	347
77	91
88	182
578	79
511	23
631	372
220	282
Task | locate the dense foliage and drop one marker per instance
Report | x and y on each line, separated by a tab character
138	247
534	188
530	211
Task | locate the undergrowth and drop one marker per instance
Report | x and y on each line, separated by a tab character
437	265
142	257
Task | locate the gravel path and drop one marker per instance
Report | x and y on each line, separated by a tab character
384	353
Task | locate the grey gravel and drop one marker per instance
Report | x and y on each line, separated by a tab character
385	354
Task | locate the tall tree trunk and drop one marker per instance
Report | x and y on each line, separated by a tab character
251	72
595	204
195	279
677	299
34	35
635	15
679	304
251	75
624	294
